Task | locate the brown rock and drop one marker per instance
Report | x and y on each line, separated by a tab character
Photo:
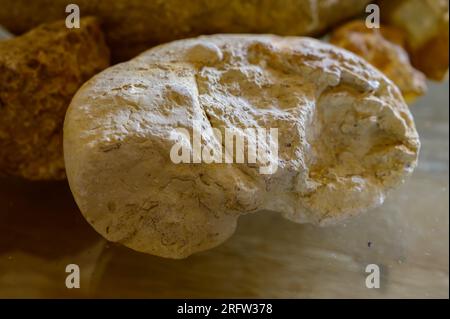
383	48
132	26
39	73
426	25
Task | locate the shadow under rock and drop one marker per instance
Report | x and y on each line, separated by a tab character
42	219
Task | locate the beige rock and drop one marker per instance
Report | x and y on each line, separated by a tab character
345	137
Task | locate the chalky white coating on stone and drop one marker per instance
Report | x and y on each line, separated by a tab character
345	138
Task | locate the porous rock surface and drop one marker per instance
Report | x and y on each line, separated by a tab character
40	71
345	137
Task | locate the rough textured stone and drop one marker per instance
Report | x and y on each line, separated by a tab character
39	73
345	137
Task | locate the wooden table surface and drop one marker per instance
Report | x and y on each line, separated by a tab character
42	230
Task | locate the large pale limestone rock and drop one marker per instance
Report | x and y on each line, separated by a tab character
345	137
